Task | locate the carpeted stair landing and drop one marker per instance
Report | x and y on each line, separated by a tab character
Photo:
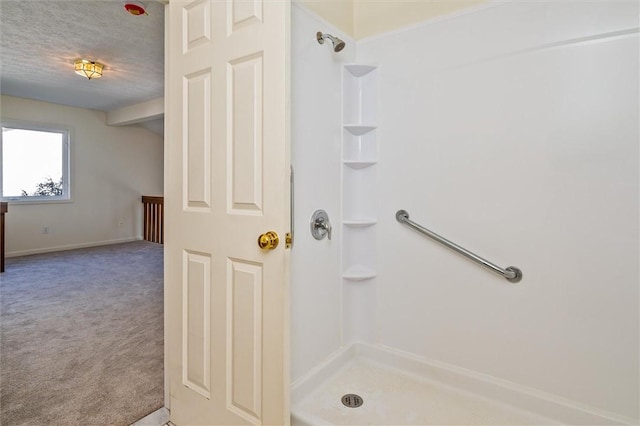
81	336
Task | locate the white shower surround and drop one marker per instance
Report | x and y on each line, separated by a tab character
511	130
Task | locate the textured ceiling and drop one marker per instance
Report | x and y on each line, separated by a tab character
40	39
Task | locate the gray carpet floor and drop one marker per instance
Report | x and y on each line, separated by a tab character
81	336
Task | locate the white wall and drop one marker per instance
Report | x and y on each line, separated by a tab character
111	168
316	117
513	131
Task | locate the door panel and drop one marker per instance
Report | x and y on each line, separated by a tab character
227	182
196	311
246	134
244	333
197	140
243	12
196	27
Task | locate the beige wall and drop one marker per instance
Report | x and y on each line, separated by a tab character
111	167
337	12
379	16
364	18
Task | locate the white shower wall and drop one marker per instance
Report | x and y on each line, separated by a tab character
316	116
513	131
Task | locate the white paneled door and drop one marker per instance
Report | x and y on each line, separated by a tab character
226	184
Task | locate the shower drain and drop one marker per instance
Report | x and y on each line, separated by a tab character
352	400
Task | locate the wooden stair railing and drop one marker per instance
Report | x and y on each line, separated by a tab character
4	207
153	219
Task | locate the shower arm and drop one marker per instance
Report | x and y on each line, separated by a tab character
511	273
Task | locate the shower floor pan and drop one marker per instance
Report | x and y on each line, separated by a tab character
398	389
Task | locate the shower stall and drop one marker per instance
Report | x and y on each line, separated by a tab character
511	129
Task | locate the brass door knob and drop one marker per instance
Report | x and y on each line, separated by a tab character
268	240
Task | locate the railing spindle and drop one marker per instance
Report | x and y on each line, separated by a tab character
153	219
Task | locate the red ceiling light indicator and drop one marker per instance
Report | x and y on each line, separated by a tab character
135	8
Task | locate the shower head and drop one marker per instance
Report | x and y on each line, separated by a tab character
338	44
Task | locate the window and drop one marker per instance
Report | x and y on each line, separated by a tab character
35	163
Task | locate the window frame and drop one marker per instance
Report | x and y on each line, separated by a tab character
66	133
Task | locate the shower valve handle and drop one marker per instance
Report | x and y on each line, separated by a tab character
320	225
324	225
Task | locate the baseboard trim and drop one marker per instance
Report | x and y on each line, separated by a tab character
71	246
522	397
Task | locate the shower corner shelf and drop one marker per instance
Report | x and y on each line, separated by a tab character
361	223
358	70
354	164
359	129
360	153
359	273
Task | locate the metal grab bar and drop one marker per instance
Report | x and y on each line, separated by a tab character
511	273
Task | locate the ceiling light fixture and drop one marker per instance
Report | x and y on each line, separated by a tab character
88	69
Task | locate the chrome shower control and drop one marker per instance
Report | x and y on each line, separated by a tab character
320	225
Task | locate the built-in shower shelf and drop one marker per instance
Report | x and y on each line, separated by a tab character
359	164
358	70
359	273
359	202
362	223
359	129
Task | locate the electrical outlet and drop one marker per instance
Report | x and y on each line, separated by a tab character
45	229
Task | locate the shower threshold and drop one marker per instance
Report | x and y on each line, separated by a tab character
399	389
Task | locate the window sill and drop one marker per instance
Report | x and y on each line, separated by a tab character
20	201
